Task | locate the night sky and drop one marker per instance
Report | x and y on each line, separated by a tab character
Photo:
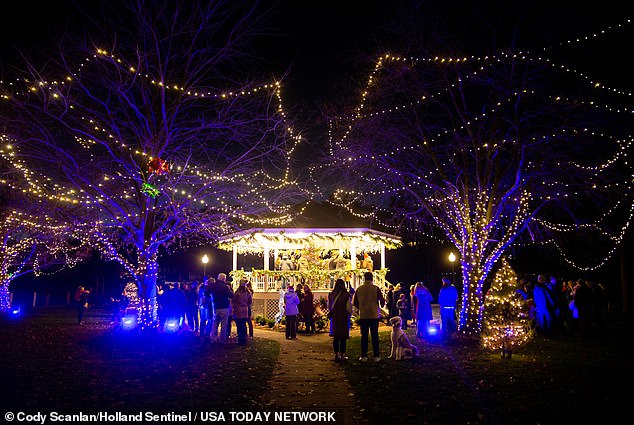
327	47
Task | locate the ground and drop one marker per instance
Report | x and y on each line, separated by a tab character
50	364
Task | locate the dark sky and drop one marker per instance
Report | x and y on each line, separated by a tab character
328	46
325	43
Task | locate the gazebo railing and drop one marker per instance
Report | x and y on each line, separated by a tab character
272	281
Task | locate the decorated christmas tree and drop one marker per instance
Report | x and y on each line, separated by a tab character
506	325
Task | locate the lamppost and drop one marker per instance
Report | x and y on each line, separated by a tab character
452	260
205	260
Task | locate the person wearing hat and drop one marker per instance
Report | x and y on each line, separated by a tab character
291	310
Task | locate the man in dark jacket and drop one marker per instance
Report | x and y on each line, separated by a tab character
221	294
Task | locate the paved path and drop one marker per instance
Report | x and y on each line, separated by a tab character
307	378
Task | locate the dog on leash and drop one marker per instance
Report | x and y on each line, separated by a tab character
402	348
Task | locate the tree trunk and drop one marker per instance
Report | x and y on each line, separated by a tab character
472	305
5	297
146	280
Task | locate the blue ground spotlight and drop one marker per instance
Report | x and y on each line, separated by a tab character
128	322
172	326
433	329
15	312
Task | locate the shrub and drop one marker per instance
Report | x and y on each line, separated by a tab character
321	322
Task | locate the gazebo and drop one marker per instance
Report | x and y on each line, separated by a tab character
319	256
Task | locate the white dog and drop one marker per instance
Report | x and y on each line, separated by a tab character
402	349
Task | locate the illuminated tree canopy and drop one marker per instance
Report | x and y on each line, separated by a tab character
486	153
34	244
152	134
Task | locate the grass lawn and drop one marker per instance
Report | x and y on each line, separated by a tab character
564	381
49	363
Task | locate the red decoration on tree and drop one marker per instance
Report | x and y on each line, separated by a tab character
158	166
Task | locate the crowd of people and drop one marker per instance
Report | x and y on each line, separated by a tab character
211	307
208	308
413	304
374	306
558	308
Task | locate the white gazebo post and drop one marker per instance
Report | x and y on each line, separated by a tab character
382	255
353	256
267	253
235	257
353	263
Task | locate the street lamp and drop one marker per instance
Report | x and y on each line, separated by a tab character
452	260
205	260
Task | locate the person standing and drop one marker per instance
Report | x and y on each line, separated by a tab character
402	288
555	289
340	310
403	310
191	294
448	300
368	299
291	310
250	317
204	306
230	317
583	299
423	309
241	304
544	306
175	304
414	306
221	295
81	298
307	309
390	302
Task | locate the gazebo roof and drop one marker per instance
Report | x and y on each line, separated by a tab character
257	239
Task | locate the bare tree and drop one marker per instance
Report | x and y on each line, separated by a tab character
153	133
485	152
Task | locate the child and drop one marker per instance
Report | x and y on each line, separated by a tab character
403	310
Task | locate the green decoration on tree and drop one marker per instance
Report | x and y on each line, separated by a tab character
150	190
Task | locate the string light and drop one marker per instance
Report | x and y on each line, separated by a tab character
418	179
506	323
130	195
31	244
